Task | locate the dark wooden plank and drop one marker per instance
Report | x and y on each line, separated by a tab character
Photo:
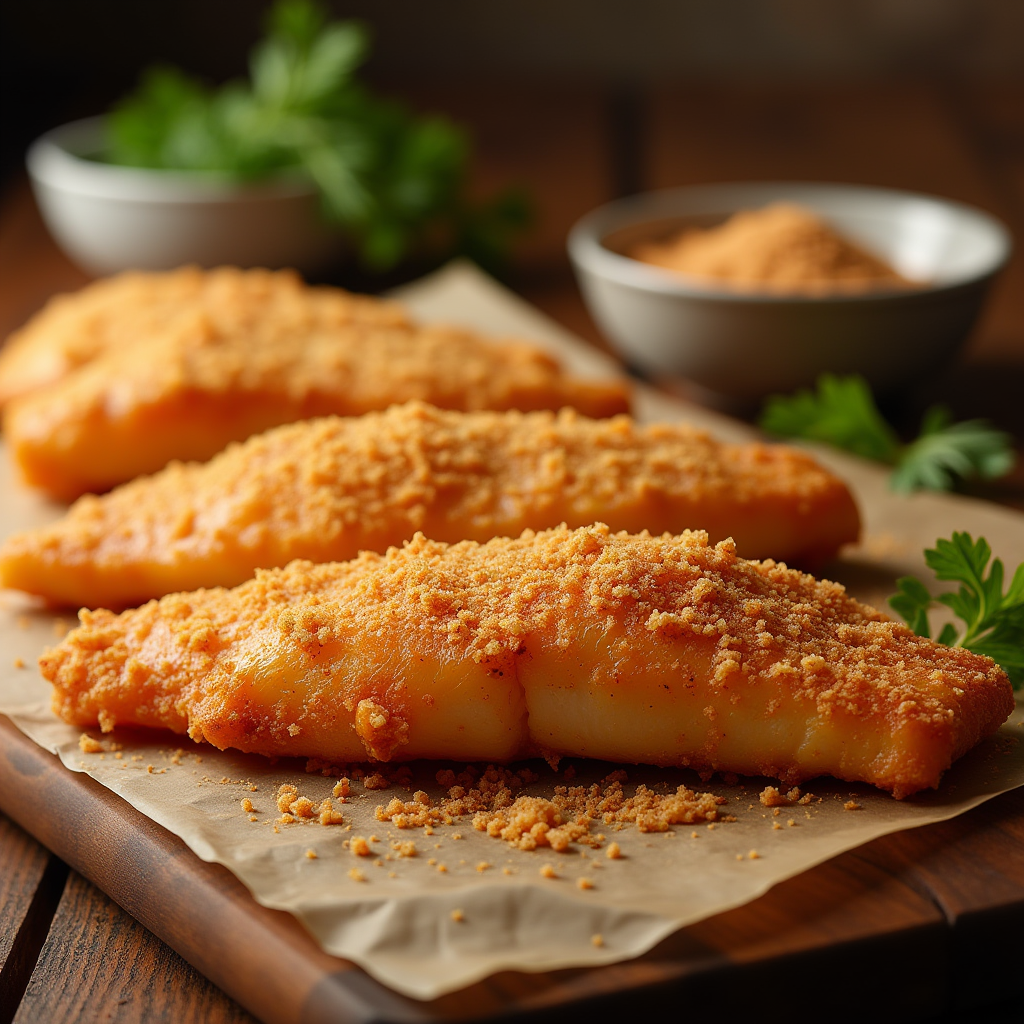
31	879
973	869
844	916
32	268
126	975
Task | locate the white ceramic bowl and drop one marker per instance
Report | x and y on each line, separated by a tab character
744	345
109	218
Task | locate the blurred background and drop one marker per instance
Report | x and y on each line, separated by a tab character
580	101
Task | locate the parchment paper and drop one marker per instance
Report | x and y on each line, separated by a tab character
398	923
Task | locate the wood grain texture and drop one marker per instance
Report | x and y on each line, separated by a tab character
127	977
865	914
32	268
31	879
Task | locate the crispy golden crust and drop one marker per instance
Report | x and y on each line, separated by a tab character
125	310
632	648
326	489
220	373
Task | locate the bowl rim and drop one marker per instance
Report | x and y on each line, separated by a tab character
55	160
588	253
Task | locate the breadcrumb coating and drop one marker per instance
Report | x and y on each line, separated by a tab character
665	650
123	311
324	490
212	376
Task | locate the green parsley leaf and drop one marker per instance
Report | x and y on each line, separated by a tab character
993	620
394	181
843	413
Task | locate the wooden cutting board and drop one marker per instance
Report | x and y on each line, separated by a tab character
901	928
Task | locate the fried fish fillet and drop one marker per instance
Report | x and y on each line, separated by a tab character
203	383
125	310
632	648
326	489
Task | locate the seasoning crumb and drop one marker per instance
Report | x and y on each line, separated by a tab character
311	854
584	883
458	916
614	851
547	871
597	940
852	805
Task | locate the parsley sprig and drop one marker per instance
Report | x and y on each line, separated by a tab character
394	180
993	620
842	412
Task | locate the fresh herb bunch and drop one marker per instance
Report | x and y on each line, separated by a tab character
843	413
993	621
394	180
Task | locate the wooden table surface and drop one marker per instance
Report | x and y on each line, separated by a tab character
949	897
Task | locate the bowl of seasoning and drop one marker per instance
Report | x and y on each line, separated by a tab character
752	288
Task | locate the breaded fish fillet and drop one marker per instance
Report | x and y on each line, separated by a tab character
203	383
662	650
326	489
125	310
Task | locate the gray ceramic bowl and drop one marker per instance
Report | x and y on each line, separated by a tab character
744	345
110	218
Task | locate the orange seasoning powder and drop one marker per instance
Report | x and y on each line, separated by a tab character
781	247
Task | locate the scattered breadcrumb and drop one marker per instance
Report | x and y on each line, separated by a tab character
356	875
483	866
88	745
19	662
852	805
754	855
405	848
360	847
247	805
311	854
584	883
614	851
547	871
529	822
458	916
597	940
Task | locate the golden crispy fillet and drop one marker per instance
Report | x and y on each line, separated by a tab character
662	650
125	310
209	378
326	489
